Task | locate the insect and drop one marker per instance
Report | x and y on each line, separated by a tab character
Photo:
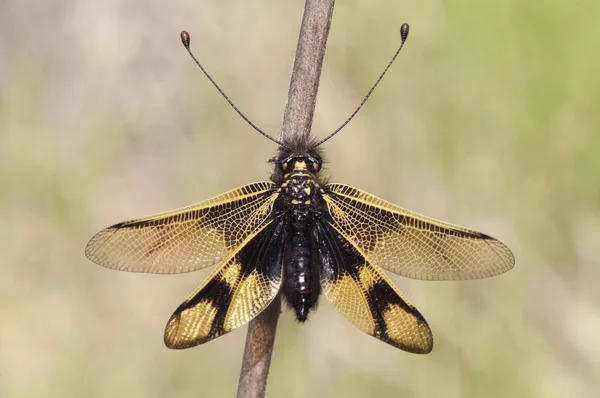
301	238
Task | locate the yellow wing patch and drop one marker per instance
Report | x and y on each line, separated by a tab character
351	300
192	326
412	245
409	332
186	239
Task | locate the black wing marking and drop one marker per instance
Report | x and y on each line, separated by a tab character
236	292
366	297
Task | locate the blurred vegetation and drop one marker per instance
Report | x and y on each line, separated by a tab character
488	119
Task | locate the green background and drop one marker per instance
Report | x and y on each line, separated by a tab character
489	119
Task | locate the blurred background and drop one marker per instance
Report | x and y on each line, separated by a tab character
488	119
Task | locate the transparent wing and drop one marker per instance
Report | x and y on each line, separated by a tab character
235	292
186	239
366	297
412	245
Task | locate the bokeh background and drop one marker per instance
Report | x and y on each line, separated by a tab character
489	119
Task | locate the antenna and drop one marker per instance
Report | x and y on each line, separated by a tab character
185	39
403	35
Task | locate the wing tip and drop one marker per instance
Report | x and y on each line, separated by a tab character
171	336
97	242
421	343
503	253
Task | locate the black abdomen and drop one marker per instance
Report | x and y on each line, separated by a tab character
301	285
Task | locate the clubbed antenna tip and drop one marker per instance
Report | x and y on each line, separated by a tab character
185	39
403	32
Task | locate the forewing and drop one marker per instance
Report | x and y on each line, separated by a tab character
235	293
366	297
186	239
412	245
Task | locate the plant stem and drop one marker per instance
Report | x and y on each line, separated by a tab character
297	122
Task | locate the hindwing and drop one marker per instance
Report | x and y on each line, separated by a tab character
237	291
366	297
186	239
410	244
